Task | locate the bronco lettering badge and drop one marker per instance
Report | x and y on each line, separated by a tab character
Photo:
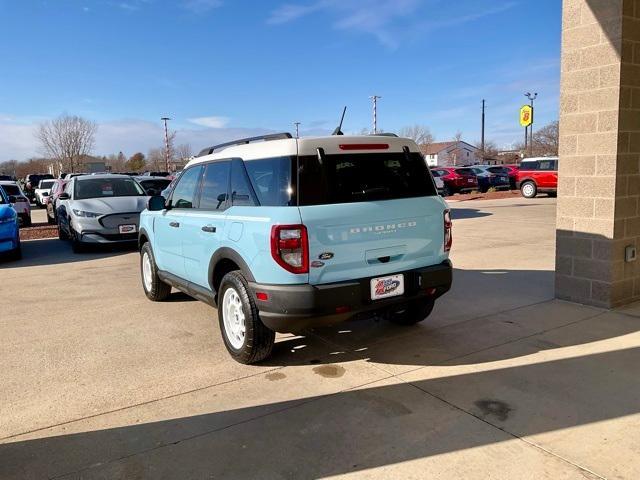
383	228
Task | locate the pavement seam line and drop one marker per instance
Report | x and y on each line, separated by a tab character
352	355
108	412
437	397
220	429
511	434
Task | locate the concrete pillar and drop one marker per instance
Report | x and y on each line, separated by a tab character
599	171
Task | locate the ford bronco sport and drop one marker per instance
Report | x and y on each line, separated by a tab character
283	234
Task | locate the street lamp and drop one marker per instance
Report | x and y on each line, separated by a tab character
374	99
166	143
531	98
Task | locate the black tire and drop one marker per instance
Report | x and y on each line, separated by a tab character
528	189
17	253
552	194
412	313
446	191
76	245
258	339
26	220
158	290
62	235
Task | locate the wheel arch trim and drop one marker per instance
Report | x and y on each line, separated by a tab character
226	253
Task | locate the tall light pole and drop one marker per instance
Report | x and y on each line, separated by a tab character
375	98
482	135
166	143
297	124
531	98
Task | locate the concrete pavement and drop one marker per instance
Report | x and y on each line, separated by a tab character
500	382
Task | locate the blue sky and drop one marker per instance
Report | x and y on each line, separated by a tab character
224	68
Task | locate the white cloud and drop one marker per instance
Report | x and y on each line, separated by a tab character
211	122
17	139
374	17
389	21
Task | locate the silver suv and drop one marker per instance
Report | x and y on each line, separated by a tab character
100	209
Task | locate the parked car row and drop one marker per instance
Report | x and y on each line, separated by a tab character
9	226
99	210
532	176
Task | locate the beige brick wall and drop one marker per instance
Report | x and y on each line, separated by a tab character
599	184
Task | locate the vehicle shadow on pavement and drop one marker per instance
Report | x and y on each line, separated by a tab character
465	213
485	308
56	252
383	424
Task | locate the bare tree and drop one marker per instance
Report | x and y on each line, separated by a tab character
418	133
182	152
545	140
490	150
458	136
67	139
156	159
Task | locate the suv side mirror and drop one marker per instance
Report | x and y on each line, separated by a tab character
64	196
156	203
13	199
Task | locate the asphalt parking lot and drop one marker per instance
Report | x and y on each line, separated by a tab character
500	382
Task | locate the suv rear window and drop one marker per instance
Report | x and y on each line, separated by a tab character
361	177
11	190
464	171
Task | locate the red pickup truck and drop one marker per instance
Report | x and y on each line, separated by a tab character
538	175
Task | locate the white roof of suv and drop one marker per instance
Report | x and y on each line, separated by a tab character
334	144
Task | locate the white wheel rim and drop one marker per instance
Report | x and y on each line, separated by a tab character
233	318
146	272
528	189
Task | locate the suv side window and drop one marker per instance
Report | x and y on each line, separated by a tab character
241	191
215	185
185	191
529	166
546	165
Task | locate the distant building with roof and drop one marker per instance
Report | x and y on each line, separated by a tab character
449	154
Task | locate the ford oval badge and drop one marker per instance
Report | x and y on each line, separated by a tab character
326	256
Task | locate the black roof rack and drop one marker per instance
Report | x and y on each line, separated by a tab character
244	141
383	134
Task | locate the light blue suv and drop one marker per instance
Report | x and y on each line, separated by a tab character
283	234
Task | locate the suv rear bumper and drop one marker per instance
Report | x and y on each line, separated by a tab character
292	308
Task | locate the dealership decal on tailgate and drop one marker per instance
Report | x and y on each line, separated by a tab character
384	287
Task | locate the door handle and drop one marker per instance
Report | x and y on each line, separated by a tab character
209	229
174	224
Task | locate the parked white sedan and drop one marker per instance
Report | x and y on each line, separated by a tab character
42	192
20	201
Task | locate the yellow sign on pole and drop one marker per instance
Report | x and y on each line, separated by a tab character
526	115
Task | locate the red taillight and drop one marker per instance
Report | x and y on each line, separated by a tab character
290	247
448	237
262	296
364	146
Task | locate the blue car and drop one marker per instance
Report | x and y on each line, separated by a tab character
489	179
9	231
285	234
